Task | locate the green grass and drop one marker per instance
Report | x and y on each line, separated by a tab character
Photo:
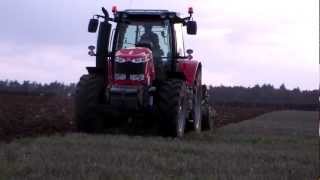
279	145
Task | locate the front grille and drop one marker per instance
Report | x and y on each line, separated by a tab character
129	68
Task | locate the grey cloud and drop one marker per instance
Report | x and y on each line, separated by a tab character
47	22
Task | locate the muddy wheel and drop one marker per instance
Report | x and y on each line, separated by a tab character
207	113
87	97
171	106
196	110
207	118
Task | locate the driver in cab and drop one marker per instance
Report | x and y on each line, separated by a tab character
152	37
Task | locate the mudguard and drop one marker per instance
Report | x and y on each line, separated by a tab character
189	69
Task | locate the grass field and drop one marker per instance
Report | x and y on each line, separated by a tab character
278	145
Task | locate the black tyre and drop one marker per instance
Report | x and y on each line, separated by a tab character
196	109
171	107
207	118
87	97
207	113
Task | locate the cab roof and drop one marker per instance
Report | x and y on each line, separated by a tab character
150	14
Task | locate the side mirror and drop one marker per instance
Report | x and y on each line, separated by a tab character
192	27
93	25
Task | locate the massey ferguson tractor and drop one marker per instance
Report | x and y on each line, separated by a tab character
142	71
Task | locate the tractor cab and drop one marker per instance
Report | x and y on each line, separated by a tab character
145	45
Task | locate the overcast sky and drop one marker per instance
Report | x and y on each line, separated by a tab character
243	42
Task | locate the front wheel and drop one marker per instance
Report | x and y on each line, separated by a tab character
171	106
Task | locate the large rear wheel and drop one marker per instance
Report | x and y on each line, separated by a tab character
207	113
171	107
196	109
87	97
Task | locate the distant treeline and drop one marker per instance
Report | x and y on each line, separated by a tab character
265	95
34	88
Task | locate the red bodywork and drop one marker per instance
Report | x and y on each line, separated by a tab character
189	69
129	55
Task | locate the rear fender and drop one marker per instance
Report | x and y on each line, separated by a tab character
189	69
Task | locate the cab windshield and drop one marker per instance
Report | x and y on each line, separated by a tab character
155	33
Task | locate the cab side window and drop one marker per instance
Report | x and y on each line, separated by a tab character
179	39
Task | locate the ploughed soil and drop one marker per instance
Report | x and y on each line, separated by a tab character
23	115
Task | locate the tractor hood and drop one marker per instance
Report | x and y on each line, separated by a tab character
133	66
135	55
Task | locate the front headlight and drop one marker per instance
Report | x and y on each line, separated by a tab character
119	60
118	76
137	77
137	60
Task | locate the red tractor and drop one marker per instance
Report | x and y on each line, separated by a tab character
142	71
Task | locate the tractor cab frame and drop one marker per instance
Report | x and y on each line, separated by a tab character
109	40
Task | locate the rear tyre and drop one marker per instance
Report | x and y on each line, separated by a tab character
171	107
207	118
87	97
207	113
196	110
